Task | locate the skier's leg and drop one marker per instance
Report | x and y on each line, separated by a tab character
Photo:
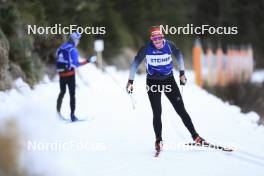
176	100
71	86
61	94
155	101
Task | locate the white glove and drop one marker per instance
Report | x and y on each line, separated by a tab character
92	59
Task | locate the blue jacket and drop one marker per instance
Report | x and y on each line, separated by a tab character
67	53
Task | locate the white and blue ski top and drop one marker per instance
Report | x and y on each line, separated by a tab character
158	62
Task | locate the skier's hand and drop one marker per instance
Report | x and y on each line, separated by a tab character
129	87
183	78
92	59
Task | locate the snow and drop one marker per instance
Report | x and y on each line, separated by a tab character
117	140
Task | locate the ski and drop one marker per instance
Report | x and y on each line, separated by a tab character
158	148
79	120
61	117
87	119
212	146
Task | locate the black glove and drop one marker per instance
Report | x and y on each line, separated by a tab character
183	79
129	86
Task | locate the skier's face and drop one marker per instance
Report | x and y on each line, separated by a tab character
76	42
158	41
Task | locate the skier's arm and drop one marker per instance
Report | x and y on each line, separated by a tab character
136	62
74	56
177	53
133	68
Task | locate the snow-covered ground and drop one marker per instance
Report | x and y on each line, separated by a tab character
117	140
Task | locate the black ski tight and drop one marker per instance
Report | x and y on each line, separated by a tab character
174	97
64	81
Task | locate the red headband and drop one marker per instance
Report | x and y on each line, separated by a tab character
155	31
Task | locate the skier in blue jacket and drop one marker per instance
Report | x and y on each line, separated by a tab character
159	65
67	61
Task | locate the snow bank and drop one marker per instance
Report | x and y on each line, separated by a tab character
118	140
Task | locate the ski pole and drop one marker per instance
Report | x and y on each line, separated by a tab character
115	80
182	90
132	101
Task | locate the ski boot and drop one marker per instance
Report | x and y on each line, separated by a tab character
73	118
158	144
199	140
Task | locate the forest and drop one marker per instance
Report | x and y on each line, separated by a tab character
126	23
